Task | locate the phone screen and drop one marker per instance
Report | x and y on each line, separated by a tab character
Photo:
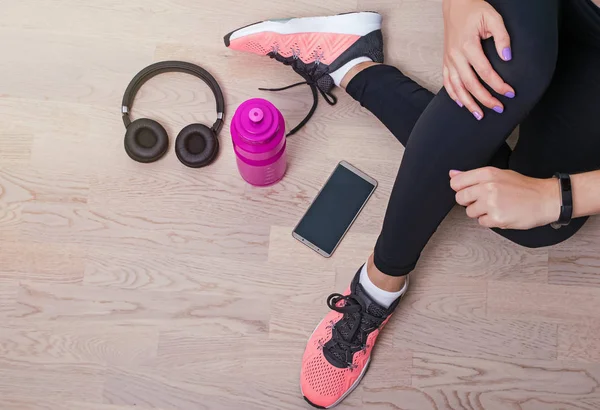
334	209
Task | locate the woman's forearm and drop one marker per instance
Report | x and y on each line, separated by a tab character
586	194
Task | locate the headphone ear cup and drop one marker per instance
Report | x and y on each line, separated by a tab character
146	140
196	146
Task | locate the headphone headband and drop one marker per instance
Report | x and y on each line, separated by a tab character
169	67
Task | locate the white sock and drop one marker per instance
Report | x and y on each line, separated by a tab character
338	75
382	297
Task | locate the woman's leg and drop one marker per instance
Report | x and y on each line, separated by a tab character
397	101
447	137
562	132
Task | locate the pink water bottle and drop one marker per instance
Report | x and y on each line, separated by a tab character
258	135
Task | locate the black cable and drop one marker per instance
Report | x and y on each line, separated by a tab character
330	98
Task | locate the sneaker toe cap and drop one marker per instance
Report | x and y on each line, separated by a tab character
322	384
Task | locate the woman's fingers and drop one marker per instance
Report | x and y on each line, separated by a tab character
449	87
476	209
474	177
474	86
487	221
463	95
495	25
486	72
468	195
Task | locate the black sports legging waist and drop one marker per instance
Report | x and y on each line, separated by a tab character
555	72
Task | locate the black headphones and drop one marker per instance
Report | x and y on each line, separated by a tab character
147	141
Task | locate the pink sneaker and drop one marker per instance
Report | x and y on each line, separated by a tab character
313	46
339	350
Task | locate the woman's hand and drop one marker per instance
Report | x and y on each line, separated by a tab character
506	199
466	23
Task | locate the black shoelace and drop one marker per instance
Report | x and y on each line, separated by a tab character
349	335
312	79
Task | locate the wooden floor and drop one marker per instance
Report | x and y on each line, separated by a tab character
129	286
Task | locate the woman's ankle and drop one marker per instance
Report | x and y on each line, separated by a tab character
354	71
383	281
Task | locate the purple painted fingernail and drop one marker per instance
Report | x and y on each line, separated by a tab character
507	54
499	109
459	103
510	94
477	115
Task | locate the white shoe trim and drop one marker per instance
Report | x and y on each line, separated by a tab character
359	24
339	74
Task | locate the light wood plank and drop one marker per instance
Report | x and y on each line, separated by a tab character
146	390
398	397
42	404
576	262
99	80
72	303
446	298
408	398
579	342
580	268
80	138
28	184
118	229
63	343
77	382
495	384
476	337
187	272
243	380
15	148
8	295
43	262
553	303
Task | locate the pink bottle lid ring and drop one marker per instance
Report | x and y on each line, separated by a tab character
256	121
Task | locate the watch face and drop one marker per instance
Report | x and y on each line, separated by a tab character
566	183
566	204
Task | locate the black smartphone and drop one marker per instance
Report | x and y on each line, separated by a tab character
335	208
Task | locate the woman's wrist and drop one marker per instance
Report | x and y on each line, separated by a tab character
586	193
585	189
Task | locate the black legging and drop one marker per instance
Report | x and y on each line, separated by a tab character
555	72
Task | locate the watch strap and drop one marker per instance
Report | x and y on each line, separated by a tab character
566	193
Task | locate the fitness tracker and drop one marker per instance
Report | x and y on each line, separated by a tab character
566	205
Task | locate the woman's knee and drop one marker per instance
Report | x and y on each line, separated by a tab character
533	29
529	73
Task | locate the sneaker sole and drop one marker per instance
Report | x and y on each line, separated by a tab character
350	390
361	23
